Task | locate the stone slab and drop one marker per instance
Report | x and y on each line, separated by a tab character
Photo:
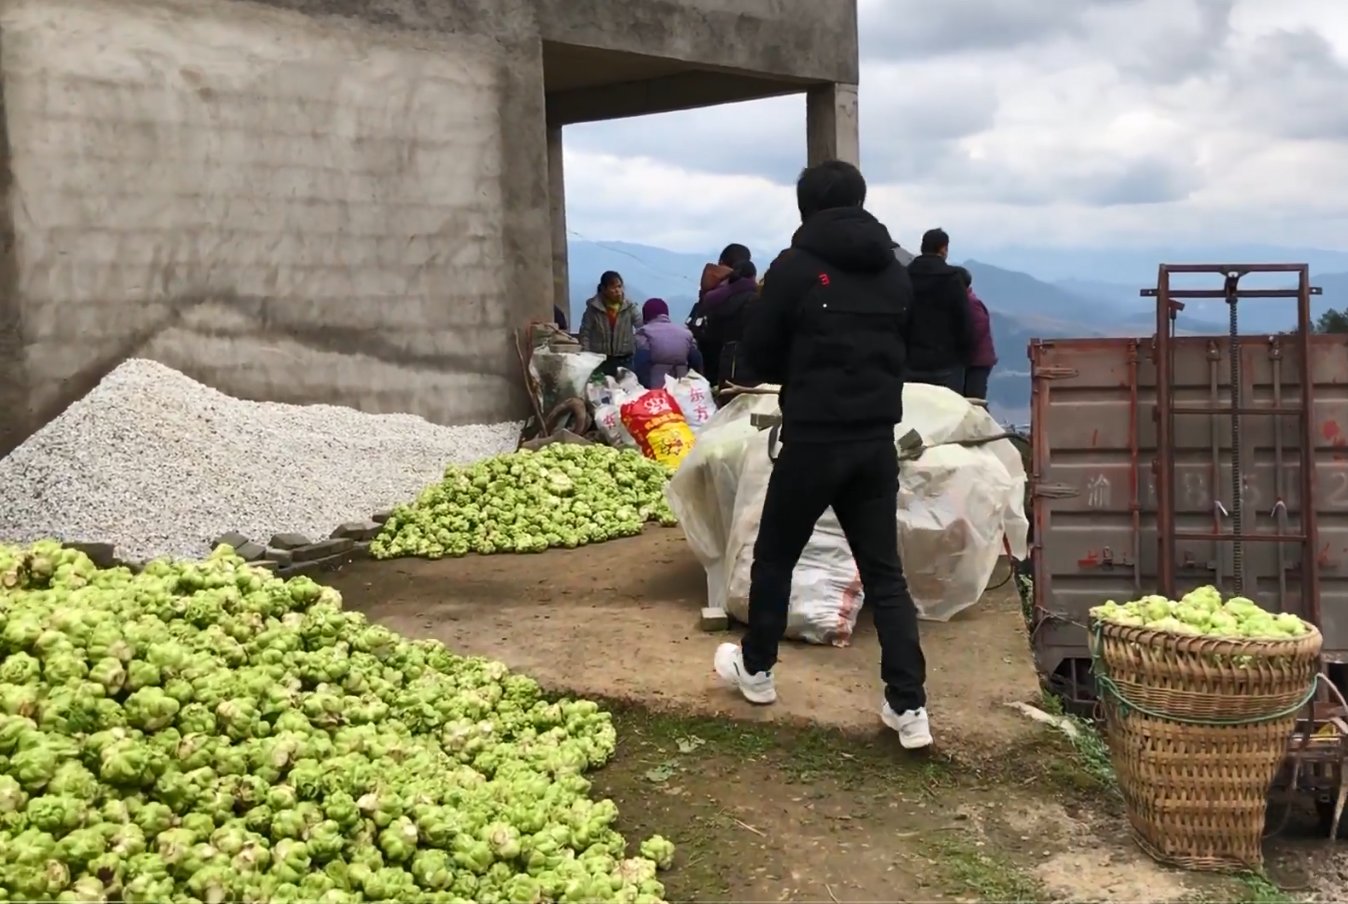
322	549
288	541
104	555
358	531
280	557
713	619
250	551
230	538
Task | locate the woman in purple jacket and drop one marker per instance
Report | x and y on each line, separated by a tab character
982	354
667	346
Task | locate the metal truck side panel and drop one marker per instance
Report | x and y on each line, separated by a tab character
1094	445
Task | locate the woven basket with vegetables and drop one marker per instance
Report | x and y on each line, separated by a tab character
1200	696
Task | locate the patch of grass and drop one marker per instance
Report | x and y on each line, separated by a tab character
1088	751
698	781
1256	888
964	869
800	754
1244	888
1025	589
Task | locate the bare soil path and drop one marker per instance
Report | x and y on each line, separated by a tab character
808	800
620	620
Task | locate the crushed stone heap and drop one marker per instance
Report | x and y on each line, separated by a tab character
159	464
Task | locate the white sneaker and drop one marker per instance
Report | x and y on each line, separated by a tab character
913	728
757	688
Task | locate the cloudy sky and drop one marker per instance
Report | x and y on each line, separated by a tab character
1021	122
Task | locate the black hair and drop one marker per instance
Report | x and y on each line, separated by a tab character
744	270
824	186
965	277
933	240
735	254
608	278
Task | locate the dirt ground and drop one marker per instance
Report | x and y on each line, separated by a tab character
809	800
620	621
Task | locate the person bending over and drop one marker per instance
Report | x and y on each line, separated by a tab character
667	347
832	327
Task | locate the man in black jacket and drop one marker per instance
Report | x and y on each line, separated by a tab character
831	327
939	340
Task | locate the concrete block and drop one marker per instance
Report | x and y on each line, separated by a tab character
382	517
321	550
316	566
714	619
288	541
230	538
356	530
265	565
250	551
279	557
104	555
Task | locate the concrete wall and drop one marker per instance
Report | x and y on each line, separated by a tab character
341	201
810	40
283	207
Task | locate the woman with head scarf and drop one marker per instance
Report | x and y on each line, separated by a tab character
667	346
608	326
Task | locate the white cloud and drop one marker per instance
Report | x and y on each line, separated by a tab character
642	200
1082	122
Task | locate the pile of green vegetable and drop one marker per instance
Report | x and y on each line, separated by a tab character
564	495
208	732
1202	612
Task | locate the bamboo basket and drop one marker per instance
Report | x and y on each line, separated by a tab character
1197	728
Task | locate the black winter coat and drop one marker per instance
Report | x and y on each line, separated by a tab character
941	335
831	327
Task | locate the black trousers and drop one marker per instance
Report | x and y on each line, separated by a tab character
976	382
711	361
611	364
861	482
951	378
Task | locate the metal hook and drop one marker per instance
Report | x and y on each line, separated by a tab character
1221	509
1278	505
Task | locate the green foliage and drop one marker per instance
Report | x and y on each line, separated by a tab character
1333	321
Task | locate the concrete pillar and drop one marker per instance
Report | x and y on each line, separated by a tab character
561	278
831	126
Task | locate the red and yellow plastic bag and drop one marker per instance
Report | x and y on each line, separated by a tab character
657	424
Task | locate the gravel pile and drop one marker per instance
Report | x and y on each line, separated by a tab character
159	464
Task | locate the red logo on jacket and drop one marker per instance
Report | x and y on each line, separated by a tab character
823	279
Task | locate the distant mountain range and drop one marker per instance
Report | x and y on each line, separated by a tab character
1024	307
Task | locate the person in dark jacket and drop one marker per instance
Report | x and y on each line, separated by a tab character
727	309
982	354
717	319
832	327
721	272
939	343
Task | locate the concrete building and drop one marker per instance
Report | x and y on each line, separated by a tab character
343	201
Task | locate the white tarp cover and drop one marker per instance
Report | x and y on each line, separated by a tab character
956	505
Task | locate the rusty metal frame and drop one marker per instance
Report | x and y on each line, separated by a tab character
1168	306
1317	753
